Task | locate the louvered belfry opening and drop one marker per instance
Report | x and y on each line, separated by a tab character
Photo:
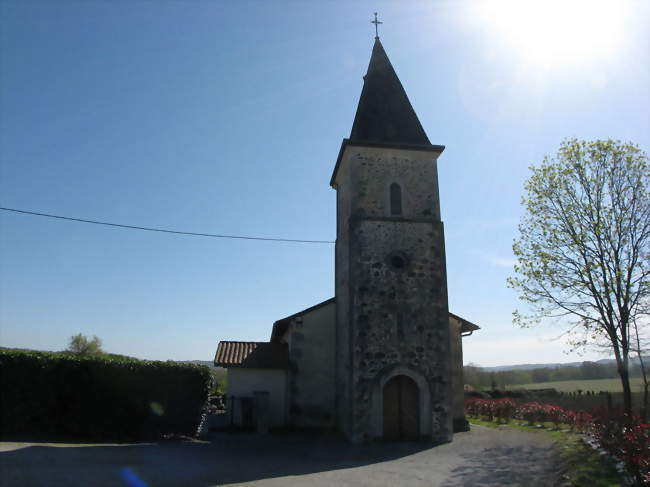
395	199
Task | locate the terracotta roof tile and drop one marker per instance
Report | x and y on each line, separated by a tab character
258	355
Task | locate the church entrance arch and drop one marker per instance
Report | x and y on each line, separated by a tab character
401	411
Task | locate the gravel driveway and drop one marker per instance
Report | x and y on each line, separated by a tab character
482	457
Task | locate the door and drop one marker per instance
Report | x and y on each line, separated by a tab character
401	410
247	412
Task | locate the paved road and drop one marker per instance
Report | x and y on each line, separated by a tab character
482	457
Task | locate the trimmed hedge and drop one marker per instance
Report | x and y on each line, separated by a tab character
107	397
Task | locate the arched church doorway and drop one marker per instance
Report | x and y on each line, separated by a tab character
401	410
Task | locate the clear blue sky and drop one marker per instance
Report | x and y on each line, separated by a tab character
227	117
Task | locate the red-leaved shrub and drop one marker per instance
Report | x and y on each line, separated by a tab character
504	409
623	436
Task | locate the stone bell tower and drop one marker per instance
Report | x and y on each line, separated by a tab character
393	360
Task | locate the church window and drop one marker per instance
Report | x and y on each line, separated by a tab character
395	199
400	326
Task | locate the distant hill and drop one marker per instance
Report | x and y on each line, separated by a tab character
605	361
530	366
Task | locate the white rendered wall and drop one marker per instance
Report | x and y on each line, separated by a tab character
245	382
312	392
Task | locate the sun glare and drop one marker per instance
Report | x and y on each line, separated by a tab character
555	32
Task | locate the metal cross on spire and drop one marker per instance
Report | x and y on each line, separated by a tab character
376	22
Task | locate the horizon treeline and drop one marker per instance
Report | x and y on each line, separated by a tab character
480	378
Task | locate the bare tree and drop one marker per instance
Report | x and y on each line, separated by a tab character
583	253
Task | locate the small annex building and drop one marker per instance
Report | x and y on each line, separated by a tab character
383	358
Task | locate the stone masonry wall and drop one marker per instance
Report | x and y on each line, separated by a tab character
399	315
390	316
372	173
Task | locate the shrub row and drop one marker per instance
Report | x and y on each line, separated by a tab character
56	394
623	436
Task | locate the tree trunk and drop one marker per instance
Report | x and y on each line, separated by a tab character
625	381
644	410
645	400
622	365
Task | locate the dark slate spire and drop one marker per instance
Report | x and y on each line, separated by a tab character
384	113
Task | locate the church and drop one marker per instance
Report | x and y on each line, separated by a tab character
382	359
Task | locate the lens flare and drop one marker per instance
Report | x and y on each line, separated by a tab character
131	478
157	408
556	32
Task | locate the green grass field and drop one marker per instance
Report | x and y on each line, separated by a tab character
597	385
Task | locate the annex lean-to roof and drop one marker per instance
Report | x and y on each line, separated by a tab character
280	326
465	326
252	355
385	116
274	354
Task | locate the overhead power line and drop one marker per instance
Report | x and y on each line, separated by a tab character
165	230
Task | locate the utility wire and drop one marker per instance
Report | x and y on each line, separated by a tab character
165	230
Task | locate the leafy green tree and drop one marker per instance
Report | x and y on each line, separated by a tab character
584	245
79	344
541	375
475	376
558	374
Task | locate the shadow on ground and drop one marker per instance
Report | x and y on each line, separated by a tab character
487	457
225	459
531	466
